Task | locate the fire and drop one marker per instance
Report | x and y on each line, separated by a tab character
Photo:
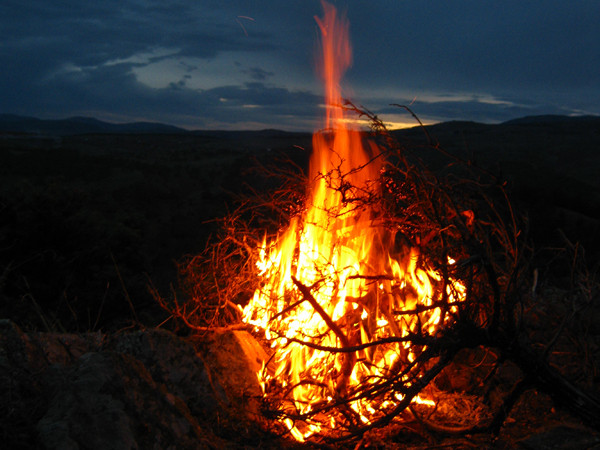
337	307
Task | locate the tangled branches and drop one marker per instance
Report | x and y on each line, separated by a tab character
214	284
445	272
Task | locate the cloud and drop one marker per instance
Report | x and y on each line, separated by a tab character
258	74
111	91
173	61
479	108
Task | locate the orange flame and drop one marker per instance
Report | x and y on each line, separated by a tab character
329	282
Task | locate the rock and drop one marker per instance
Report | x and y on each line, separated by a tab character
138	390
173	361
21	392
62	348
39	350
234	358
109	400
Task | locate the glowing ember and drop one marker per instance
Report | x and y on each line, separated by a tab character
337	307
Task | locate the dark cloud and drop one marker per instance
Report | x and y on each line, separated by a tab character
95	91
258	74
249	63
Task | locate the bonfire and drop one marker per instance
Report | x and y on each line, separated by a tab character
366	275
338	300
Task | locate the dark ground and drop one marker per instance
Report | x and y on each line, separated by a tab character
86	221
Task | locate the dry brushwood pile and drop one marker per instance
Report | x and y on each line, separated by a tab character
369	276
457	223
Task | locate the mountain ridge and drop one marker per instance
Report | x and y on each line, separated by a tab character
76	125
12	123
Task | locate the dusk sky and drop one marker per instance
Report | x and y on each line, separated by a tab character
249	64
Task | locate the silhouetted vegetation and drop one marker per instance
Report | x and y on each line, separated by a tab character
85	221
78	214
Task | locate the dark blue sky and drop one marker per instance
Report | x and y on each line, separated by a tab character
249	64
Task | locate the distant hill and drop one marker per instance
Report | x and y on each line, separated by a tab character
10	123
72	126
550	118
